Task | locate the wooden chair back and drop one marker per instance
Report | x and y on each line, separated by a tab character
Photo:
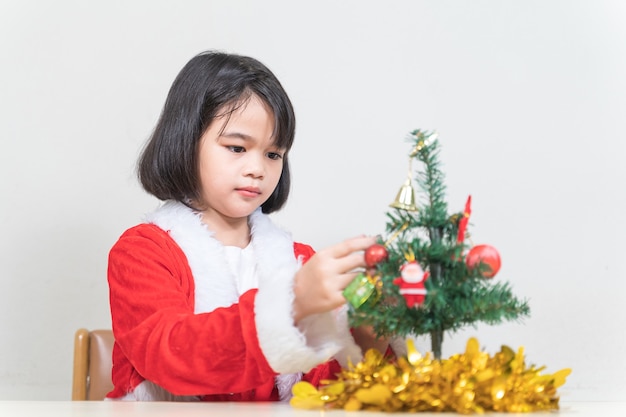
93	351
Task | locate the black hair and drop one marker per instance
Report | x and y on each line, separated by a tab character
207	85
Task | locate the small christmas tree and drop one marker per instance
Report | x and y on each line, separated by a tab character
425	278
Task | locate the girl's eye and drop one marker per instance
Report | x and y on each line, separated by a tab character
236	149
274	155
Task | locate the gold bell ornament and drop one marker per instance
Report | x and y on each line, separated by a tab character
405	199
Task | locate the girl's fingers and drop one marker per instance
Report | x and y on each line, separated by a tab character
348	246
319	284
345	279
348	255
350	262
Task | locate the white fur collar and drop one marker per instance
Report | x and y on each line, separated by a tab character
215	285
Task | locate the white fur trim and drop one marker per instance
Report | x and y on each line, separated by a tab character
284	383
214	284
398	345
288	348
350	351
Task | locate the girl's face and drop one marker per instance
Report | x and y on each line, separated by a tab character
239	165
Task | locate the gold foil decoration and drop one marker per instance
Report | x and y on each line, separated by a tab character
472	382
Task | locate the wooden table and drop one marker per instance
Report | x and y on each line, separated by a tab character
162	409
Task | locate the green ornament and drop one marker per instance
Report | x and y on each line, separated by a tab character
360	290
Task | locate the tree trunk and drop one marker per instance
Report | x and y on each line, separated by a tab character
436	340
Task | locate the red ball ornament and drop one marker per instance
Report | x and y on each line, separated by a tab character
375	254
488	256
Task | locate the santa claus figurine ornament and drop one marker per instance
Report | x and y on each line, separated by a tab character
411	282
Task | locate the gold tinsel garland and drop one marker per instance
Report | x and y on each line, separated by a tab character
472	382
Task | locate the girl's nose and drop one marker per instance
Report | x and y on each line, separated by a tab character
255	166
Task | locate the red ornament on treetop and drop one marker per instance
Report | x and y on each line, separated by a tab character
488	256
375	254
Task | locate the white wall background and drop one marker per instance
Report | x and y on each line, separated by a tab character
529	98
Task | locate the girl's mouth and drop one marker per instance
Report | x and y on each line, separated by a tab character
249	191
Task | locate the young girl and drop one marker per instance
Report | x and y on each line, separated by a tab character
209	299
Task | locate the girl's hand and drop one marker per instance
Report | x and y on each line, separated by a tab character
319	283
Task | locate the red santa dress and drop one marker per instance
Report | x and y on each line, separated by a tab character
183	331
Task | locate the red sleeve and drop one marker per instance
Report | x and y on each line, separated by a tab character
328	370
325	371
157	332
303	252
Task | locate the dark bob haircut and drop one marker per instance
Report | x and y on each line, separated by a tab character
209	85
